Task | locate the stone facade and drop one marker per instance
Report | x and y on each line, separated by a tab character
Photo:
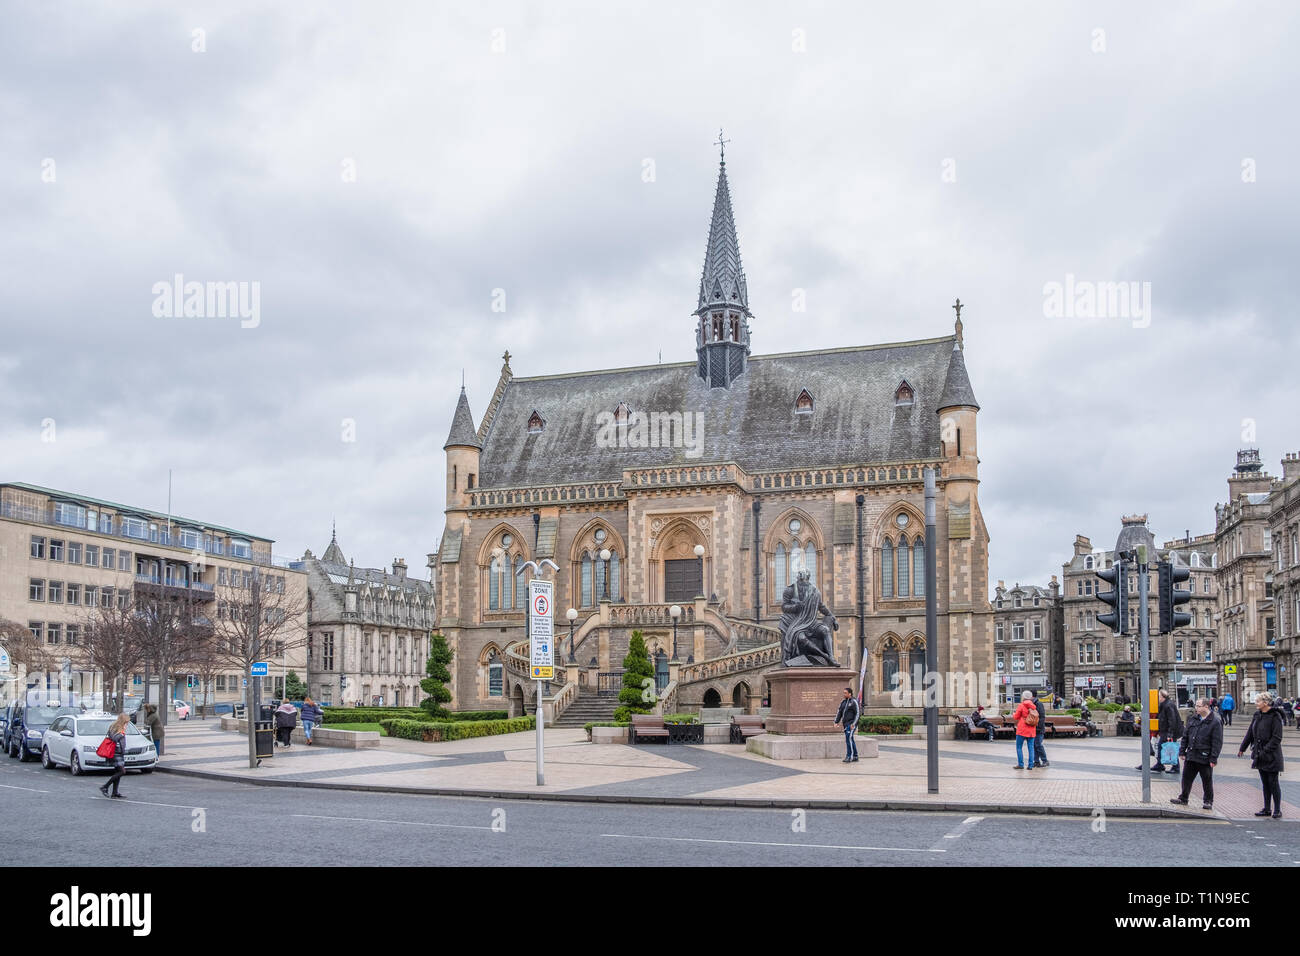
1284	534
1243	552
803	457
368	631
1028	639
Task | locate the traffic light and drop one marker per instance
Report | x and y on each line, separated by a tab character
1171	597
1117	577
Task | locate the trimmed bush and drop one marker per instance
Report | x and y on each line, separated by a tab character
885	724
479	715
353	715
681	719
454	730
638	693
435	685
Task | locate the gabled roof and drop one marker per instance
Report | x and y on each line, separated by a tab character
854	420
462	425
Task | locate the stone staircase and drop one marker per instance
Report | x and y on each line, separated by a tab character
748	643
590	707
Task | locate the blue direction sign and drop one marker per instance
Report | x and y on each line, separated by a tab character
258	670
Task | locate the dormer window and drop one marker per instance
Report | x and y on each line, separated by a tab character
1088	563
535	423
623	413
1196	560
904	395
803	405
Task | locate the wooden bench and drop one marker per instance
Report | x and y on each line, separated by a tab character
1002	727
647	726
744	726
1064	725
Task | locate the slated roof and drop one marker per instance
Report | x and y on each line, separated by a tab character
723	279
376	576
956	385
752	422
462	425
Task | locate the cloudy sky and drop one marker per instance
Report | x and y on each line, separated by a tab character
380	168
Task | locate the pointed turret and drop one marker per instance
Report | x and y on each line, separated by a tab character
722	309
334	554
462	426
956	387
463	449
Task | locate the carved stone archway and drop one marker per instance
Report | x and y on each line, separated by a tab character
674	540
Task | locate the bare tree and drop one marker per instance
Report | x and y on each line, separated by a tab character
206	659
27	653
109	641
166	629
257	618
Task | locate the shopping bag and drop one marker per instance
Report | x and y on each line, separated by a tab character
1169	753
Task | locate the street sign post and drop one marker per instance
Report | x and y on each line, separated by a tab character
541	649
259	669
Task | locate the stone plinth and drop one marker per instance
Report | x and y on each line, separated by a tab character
808	746
805	699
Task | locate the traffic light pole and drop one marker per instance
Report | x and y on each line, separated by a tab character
1144	637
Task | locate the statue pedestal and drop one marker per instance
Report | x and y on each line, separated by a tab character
805	699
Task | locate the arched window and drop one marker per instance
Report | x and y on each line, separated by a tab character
586	580
916	663
1087	563
904	568
889	667
904	395
810	559
613	577
521	592
887	570
495	672
600	578
918	566
803	405
494	585
780	579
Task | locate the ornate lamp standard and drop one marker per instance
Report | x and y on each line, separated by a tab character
572	615
604	556
699	555
675	612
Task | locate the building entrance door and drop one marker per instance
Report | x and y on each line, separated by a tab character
682	580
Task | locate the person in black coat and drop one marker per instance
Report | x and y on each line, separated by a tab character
1201	743
1264	737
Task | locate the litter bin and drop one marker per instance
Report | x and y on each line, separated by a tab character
264	733
266	713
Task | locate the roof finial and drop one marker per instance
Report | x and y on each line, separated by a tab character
505	357
957	307
334	527
722	145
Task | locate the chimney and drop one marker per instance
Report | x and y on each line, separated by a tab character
1291	466
399	567
1002	585
1248	477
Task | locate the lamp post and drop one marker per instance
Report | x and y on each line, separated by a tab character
572	615
675	612
699	554
604	556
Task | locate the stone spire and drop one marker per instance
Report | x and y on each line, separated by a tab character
334	554
462	425
722	308
956	387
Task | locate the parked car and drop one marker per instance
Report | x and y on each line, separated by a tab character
181	709
72	739
26	726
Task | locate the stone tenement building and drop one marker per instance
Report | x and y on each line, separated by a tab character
1244	552
1028	639
1099	662
705	485
1284	532
64	555
368	631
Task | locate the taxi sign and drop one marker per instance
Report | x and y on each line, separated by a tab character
258	669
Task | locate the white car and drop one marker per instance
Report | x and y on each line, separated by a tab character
71	741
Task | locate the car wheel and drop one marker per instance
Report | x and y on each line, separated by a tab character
22	751
46	762
75	765
13	751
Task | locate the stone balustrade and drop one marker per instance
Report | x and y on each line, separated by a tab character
880	474
731	663
514	497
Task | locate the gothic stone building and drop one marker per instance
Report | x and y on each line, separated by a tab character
708	484
368	631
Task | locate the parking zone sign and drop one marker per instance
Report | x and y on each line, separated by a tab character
541	630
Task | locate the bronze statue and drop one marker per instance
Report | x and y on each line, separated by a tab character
806	640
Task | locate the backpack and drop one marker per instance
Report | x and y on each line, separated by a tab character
107	749
1031	717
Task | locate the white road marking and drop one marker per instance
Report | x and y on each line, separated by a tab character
810	846
408	823
146	803
29	789
959	831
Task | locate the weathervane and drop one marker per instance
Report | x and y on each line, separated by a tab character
722	146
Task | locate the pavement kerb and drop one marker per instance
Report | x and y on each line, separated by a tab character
733	802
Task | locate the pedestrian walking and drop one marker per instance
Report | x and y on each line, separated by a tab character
155	725
1264	737
1226	707
286	718
311	716
117	734
1287	713
1026	718
847	717
1040	753
1201	742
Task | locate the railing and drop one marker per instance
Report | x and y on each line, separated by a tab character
518	663
749	631
609	683
161	538
625	614
558	703
846	476
587	491
667	702
731	664
682	475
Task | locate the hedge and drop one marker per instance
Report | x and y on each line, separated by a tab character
480	715
885	724
373	715
453	729
681	719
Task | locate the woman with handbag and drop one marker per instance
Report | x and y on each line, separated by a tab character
1264	737
117	735
1026	718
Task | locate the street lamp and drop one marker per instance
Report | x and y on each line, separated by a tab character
572	615
699	554
604	556
675	612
